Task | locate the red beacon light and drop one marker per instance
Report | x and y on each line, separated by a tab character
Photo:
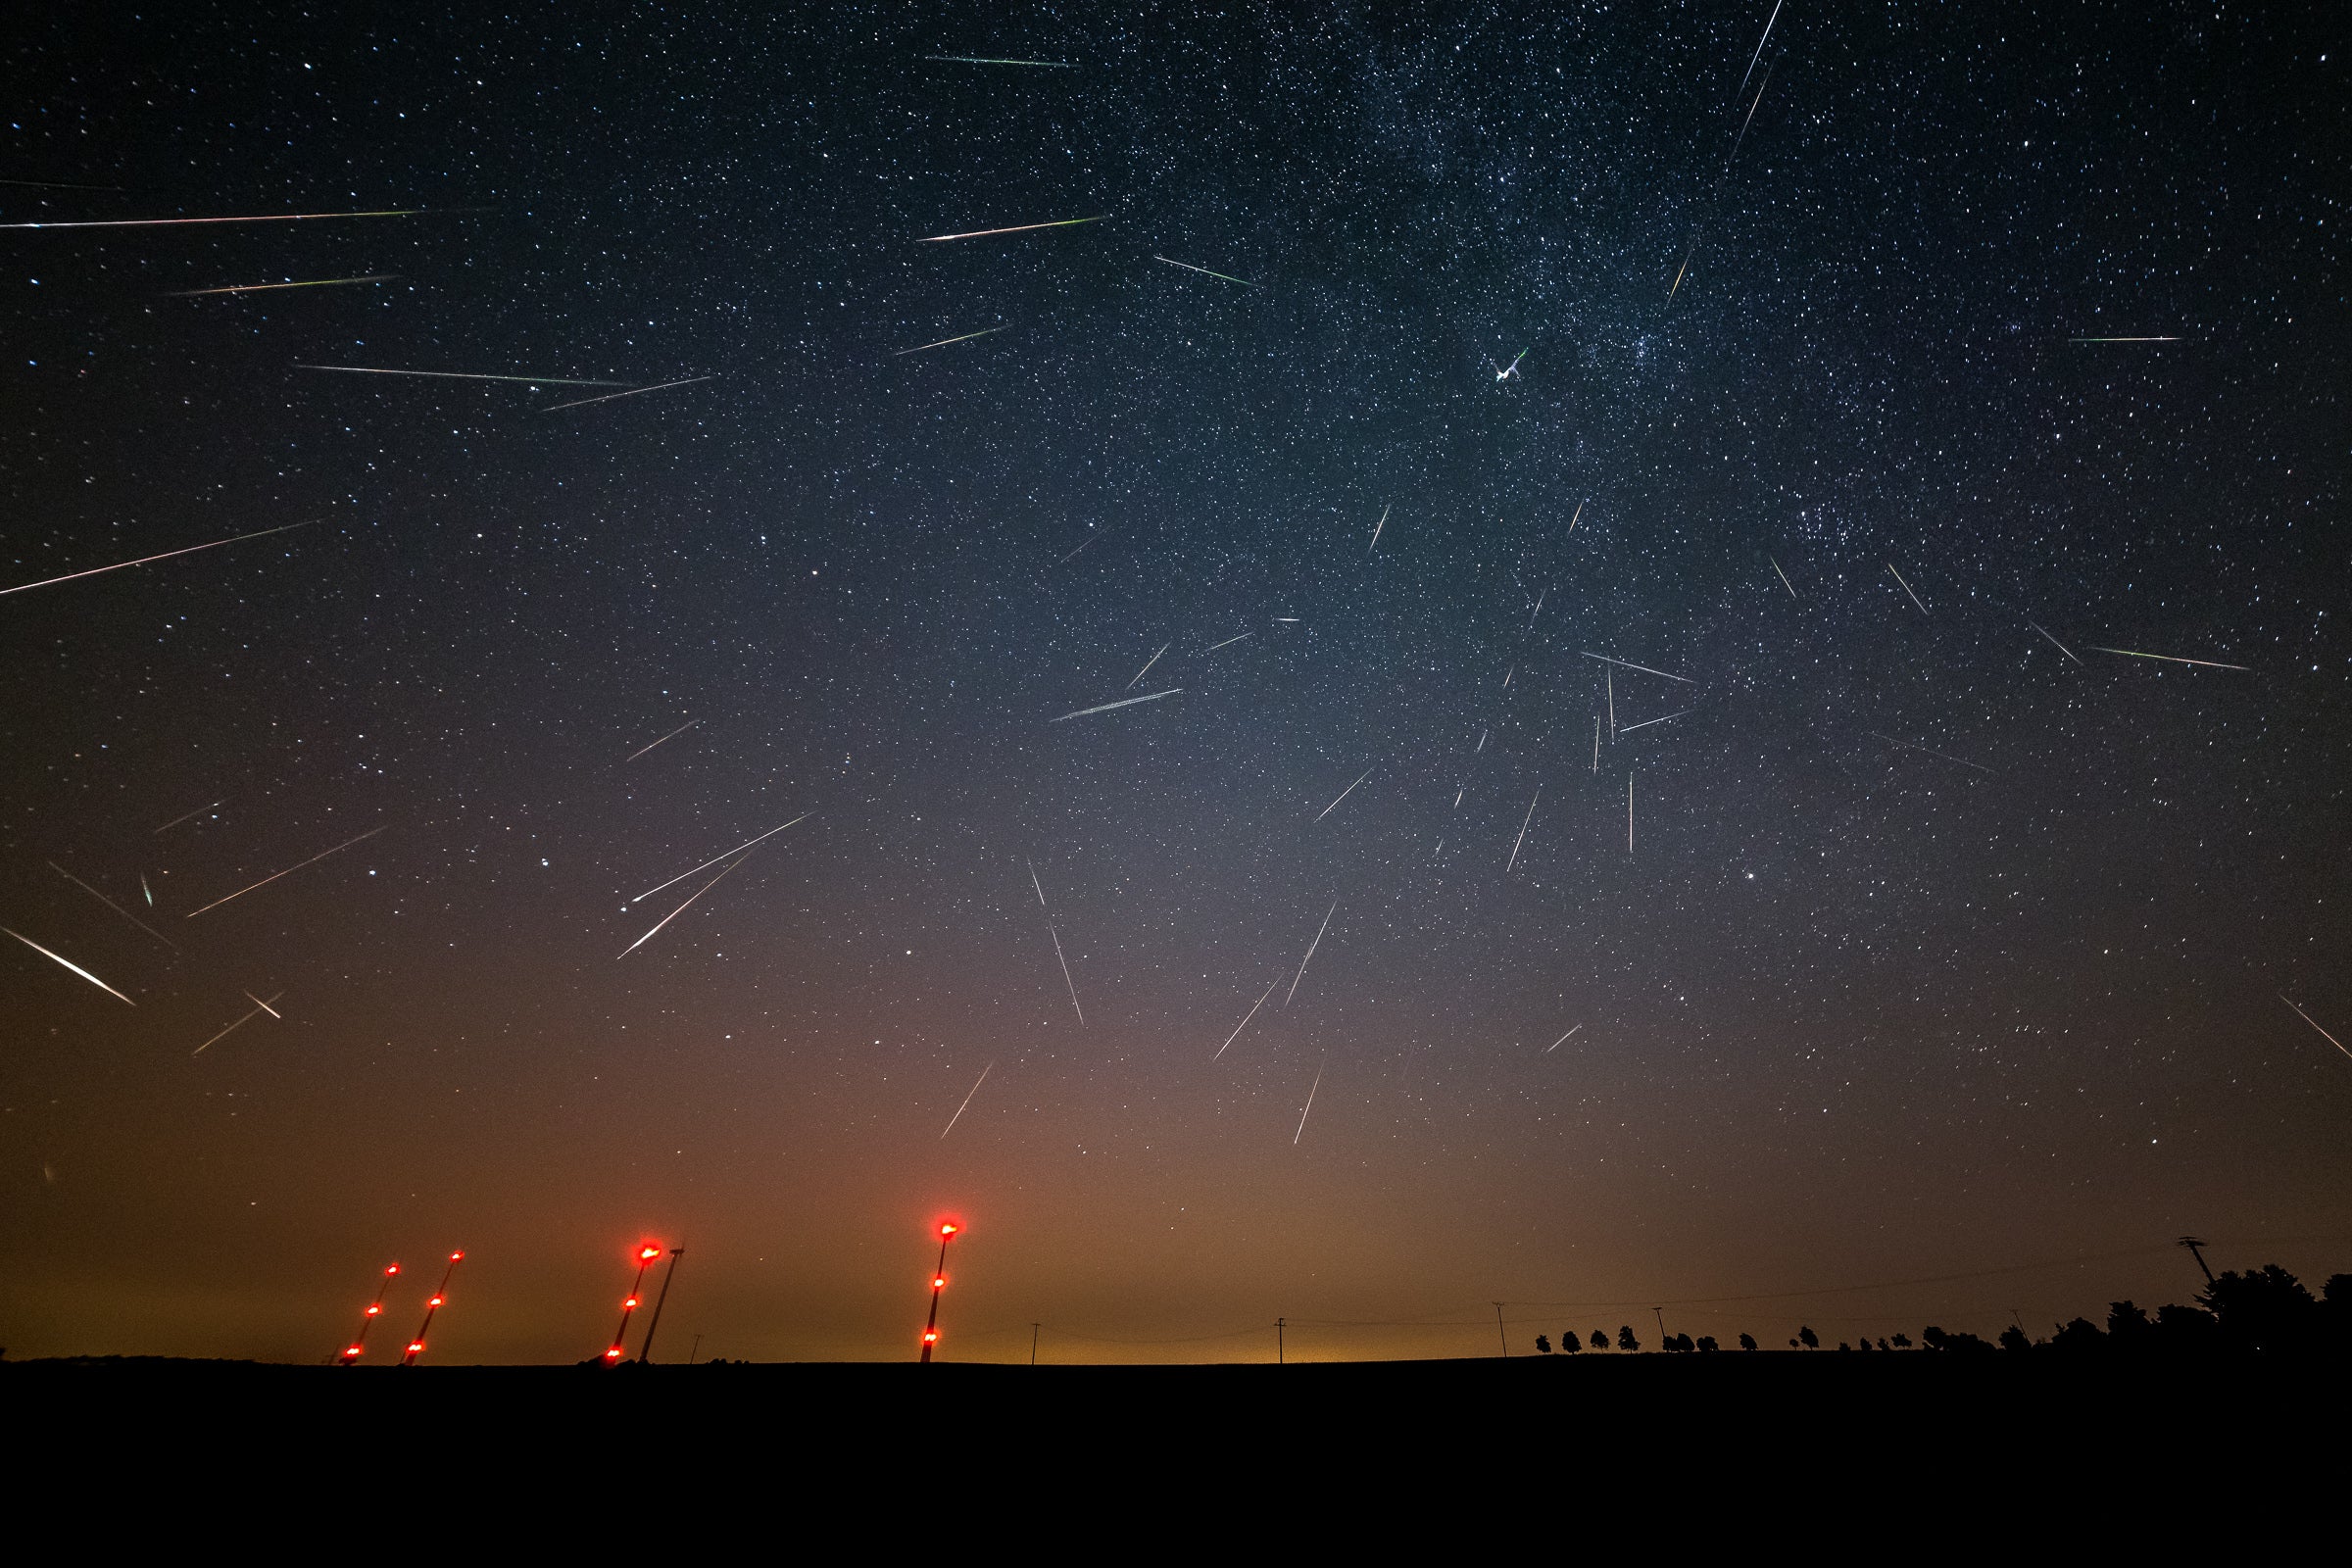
435	1302
375	1307
394	1270
351	1352
457	1258
646	1254
416	1346
947	1229
613	1355
938	1282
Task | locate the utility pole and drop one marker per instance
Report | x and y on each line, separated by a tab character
938	1282
2195	1246
645	1352
1278	1323
696	1350
1500	1334
1660	1314
1033	1328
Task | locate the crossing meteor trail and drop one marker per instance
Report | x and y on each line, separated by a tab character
1016	228
266	218
2169	659
1065	974
635	391
1104	708
291	870
1932	752
1643	668
1311	1101
1646	723
2282	997
1557	1044
1190	267
1147	669
1523	821
258	1007
1344	794
1310	953
680	909
716	858
117	908
24	587
941	344
199	811
1898	577
261	288
460	376
967	1100
69	964
650	745
1246	1016
2054	642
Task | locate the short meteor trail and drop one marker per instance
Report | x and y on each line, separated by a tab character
1609	680
1538	609
1065	974
291	870
69	964
680	909
1376	528
1760	42
2123	340
1104	708
2054	642
112	905
261	288
1344	794
265	218
635	391
1678	271
258	1007
2130	653
457	376
1597	744
1751	115
1932	752
1311	1101
1190	267
941	344
1246	1016
119	565
175	821
1629	812
1016	228
1522	838
1580	512
1557	1044
1643	668
987	59
1147	669
967	1100
1035	883
1646	723
672	736
1898	577
1784	576
1310	953
144	887
2314	1023
716	858
1227	642
1082	544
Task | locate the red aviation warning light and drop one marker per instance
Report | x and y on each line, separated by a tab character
947	1229
432	1305
613	1355
375	1309
645	1254
394	1270
939	1283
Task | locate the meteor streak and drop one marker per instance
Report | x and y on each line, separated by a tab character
1147	669
941	344
69	964
663	386
1898	577
199	811
1065	974
2128	652
967	1100
985	60
1784	576
458	375
1310	953
1376	528
1557	1044
2054	642
1104	708
715	859
1311	1101
1227	642
1033	882
259	288
1646	723
1678	271
289	870
1932	752
119	566
1643	668
1190	267
1759	54
1246	1016
2125	341
265	218
258	1007
2309	1019
1344	794
1016	228
650	745
1596	745
117	908
680	909
1531	619
1629	811
1522	838
1580	512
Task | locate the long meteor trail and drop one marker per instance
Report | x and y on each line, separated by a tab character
1522	838
69	964
1310	953
1016	228
650	745
457	376
1065	974
1557	1044
1311	1101
258	1007
1104	708
265	218
715	859
291	870
967	1100
112	905
1932	752
1190	267
262	288
680	909
1898	577
1784	576
1660	719
1344	794
119	565
2132	653
1246	1016
2282	997
199	811
941	344
635	391
2054	642
990	60
1760	42
1147	669
1643	668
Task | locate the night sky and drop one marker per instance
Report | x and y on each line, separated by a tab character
1945	942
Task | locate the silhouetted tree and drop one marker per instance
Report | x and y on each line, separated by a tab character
1600	1340
2014	1337
1706	1343
2079	1334
2129	1327
1571	1342
1865	1344
1747	1342
1848	1348
2263	1309
1681	1343
1936	1338
1808	1339
1543	1344
1902	1342
1625	1338
1882	1344
2186	1328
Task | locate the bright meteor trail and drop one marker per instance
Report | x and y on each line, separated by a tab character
967	1100
463	375
267	218
2282	997
1065	974
1190	267
986	60
289	870
650	745
1246	1016
635	391
1643	668
716	858
1344	794
680	909
1310	953
1016	228
112	905
941	344
1106	708
69	964
257	288
2169	659
258	1007
119	566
